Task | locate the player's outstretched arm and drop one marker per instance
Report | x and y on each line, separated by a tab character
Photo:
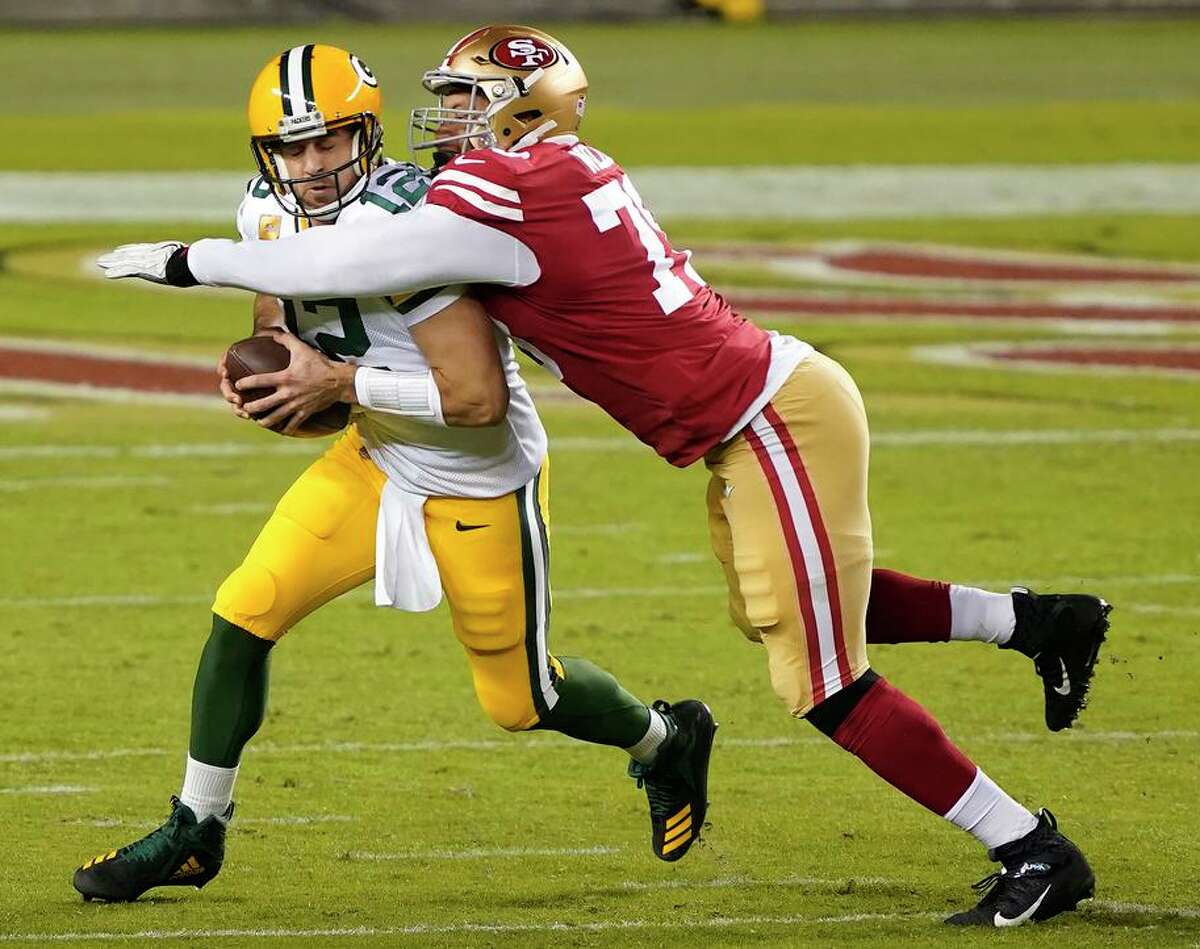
164	262
428	247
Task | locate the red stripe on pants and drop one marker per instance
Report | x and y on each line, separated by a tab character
818	526
799	570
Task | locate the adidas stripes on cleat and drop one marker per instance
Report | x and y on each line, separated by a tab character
677	782
1062	634
181	852
1041	875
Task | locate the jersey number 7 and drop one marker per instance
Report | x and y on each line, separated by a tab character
606	203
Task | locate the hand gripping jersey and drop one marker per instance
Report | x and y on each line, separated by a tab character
421	457
616	313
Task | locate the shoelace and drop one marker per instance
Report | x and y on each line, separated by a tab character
147	847
985	886
660	793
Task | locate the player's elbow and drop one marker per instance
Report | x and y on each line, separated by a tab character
480	408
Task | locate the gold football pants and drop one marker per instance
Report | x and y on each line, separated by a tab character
788	519
320	542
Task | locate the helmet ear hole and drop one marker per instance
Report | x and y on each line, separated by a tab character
527	116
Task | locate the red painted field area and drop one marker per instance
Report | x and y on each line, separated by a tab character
77	367
1181	360
995	282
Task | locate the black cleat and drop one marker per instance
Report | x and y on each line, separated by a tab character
1042	874
1062	634
181	852
677	782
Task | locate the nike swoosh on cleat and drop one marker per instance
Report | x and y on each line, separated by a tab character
1064	687
1001	920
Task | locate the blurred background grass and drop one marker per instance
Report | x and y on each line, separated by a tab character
1046	90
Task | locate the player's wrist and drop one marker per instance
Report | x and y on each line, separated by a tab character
345	375
177	271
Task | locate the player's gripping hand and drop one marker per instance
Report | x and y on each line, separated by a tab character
310	383
164	262
228	392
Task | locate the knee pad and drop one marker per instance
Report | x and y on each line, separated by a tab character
247	593
508	705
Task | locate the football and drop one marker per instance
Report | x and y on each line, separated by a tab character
259	354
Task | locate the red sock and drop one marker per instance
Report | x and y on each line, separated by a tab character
904	609
904	745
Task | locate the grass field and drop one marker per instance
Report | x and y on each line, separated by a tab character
378	806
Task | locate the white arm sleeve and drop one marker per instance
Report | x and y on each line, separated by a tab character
429	246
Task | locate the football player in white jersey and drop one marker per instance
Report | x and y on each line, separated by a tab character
439	483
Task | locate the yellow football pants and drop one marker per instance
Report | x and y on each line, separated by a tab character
320	542
788	519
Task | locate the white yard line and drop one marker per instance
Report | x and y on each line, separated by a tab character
38	790
1161	608
998	438
467	928
65	390
723	883
87	600
540	745
24	413
781	192
983	438
93	483
1146	909
495	928
285	821
232	508
486	853
981	356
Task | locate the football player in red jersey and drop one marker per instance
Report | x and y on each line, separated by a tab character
566	256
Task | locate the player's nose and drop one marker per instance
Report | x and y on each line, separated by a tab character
314	162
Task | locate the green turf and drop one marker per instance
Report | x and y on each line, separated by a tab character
799	833
1043	90
806	848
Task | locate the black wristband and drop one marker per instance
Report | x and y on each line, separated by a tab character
178	273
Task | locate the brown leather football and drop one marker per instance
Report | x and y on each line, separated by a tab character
258	354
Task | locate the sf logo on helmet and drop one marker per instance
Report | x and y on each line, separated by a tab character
523	52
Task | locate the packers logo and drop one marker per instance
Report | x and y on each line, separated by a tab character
523	52
364	72
268	227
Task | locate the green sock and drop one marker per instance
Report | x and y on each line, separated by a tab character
229	698
592	706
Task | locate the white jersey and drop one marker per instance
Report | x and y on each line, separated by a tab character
420	457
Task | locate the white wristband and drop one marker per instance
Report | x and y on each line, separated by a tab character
414	394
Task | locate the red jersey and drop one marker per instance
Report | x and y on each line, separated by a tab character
616	313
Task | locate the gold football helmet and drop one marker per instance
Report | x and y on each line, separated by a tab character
306	92
523	84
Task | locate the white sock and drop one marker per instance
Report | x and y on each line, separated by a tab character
980	615
989	815
207	789
656	733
